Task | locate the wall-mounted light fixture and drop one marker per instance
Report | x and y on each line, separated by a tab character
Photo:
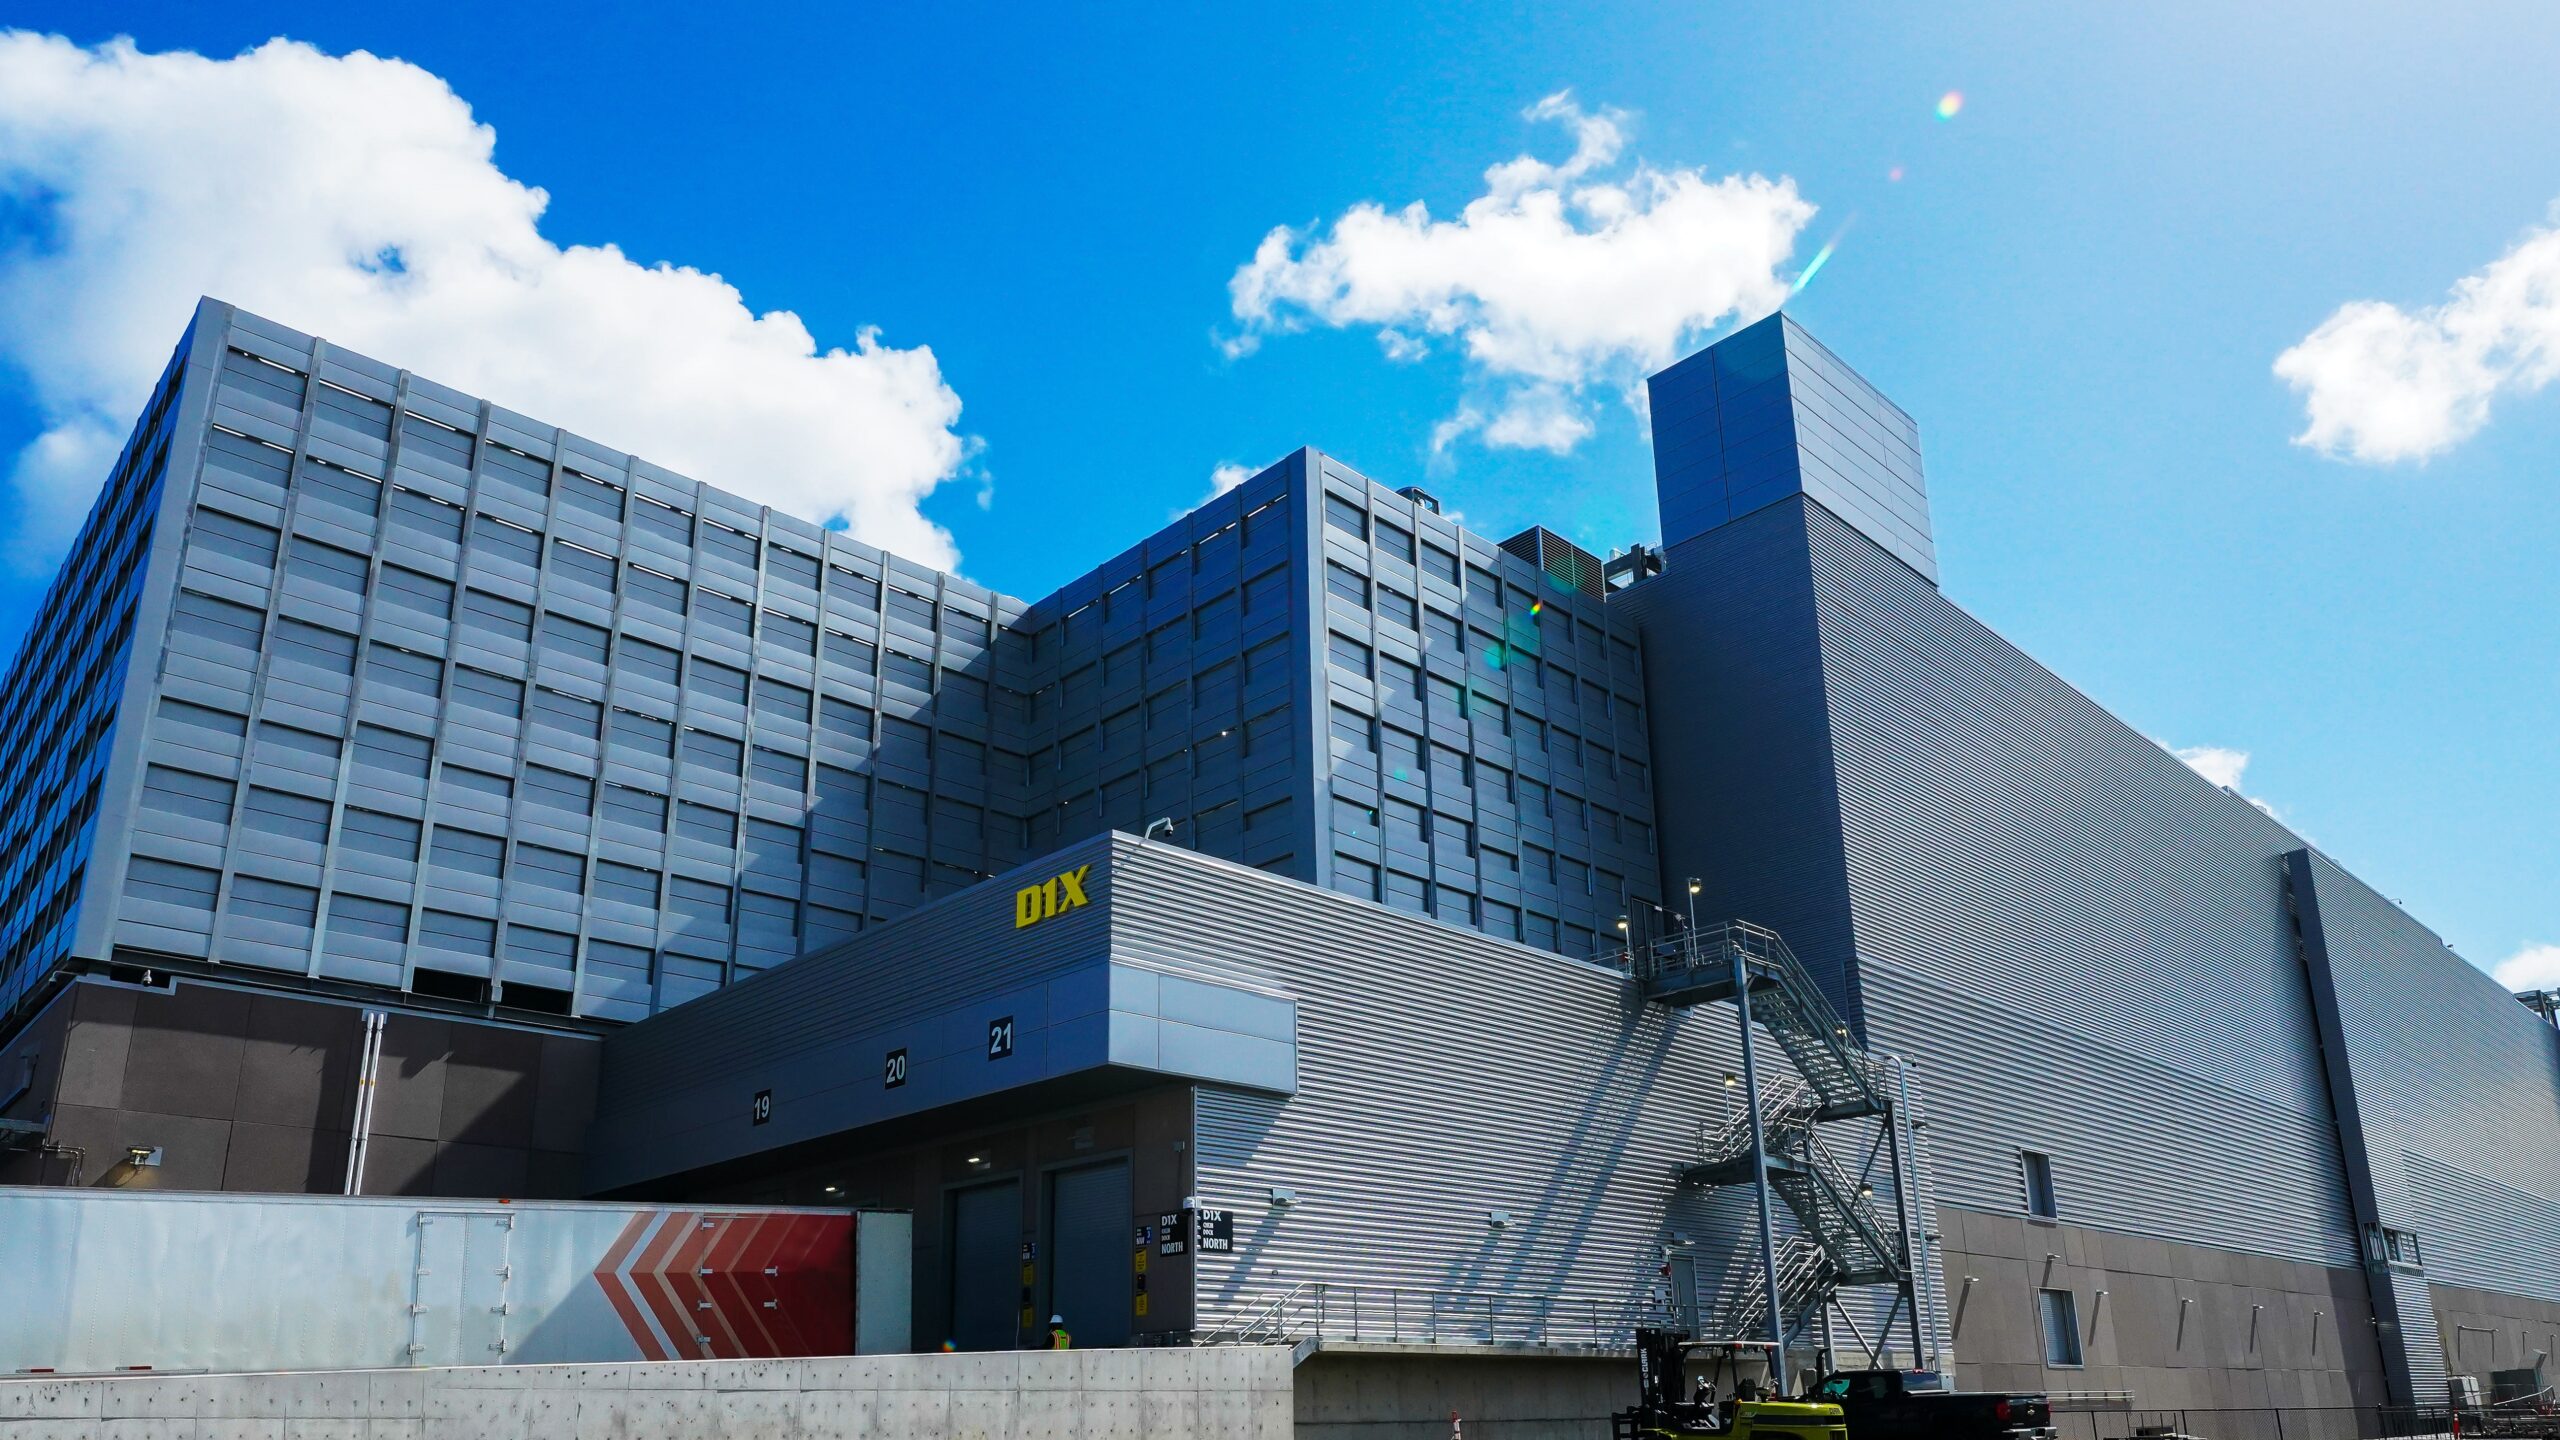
1498	1219
143	1157
1282	1197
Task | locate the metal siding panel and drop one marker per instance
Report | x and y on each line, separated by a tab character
1446	1075
1746	798
2021	864
2458	1088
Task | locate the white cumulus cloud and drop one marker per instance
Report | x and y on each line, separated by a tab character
1559	279
2535	967
2223	766
355	198
2379	383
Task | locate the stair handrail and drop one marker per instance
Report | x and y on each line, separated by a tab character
1275	1312
1787	1103
1834	1179
1766	954
1864	1227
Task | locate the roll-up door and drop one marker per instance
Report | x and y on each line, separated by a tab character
1089	1245
986	1266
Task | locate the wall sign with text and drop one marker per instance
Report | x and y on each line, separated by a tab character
1051	897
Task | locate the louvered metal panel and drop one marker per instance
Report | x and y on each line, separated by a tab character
1445	1077
2452	1090
1743	777
2458	1087
2047	883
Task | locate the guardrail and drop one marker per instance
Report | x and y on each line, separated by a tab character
1314	1309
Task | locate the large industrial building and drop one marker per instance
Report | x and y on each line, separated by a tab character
1318	923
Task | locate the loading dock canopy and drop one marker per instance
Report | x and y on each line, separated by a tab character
1010	986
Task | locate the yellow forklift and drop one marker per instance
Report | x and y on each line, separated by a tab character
1668	1409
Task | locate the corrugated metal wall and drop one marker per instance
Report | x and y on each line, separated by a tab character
2078	939
1443	1076
1743	791
2458	1087
2013	845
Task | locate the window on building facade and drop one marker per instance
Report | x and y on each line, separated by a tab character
2038	1168
2060	1317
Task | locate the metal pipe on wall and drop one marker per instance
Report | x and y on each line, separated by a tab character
1760	1179
360	1133
1924	1301
1912	1263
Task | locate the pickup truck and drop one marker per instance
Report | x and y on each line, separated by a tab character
1889	1404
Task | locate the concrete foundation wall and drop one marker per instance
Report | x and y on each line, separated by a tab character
2485	1331
1229	1394
1410	1393
2233	1345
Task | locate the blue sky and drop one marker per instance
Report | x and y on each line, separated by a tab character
2080	286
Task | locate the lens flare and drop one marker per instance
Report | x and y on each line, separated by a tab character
1821	257
1949	104
1894	174
1813	267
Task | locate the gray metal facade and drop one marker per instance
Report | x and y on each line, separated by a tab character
1434	1094
396	652
1443	1143
58	706
2451	1095
1766	413
402	652
2089	950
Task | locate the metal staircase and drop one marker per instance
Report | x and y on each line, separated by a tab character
1697	968
1775	1134
1834	1209
1805	1280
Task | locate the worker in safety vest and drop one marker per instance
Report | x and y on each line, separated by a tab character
1059	1339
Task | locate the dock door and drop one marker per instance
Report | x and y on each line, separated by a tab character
986	1266
1089	1276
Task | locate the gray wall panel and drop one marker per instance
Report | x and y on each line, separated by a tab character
2010	842
2457	1087
1431	1096
1733	664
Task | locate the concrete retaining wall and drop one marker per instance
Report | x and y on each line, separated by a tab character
1241	1393
1409	1392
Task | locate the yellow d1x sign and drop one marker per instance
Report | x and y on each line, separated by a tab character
1055	896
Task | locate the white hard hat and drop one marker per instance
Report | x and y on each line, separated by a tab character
1057	1319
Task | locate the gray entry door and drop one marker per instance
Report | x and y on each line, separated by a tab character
1683	1300
1089	1248
986	1265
